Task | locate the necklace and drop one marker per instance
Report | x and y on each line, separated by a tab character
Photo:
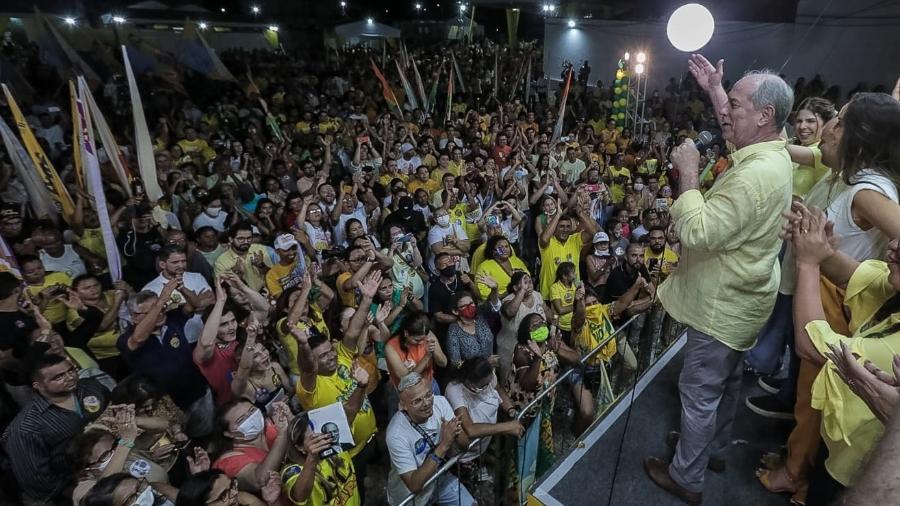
455	284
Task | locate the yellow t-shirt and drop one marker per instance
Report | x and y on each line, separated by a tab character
565	294
280	276
251	276
335	483
386	179
287	339
92	240
668	259
56	310
805	177
478	258
102	344
430	185
616	190
595	330
556	253
338	388
197	148
494	270
348	297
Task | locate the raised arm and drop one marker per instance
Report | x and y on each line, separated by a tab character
203	352
143	329
710	80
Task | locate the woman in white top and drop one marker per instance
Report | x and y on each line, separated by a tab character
861	201
521	300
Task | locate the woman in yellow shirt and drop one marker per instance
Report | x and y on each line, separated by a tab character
500	263
103	343
312	480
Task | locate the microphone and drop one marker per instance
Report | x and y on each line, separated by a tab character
703	139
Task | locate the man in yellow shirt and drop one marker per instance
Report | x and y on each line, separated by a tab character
659	257
725	286
196	148
249	261
562	241
288	272
391	171
330	372
423	181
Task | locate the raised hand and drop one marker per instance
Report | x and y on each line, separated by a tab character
221	294
270	489
300	334
199	462
369	287
360	374
315	443
487	280
703	71
281	416
168	289
810	235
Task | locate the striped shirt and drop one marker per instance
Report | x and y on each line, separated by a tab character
37	438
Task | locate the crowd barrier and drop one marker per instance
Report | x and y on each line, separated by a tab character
648	334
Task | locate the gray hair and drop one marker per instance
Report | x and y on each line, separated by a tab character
136	299
409	381
772	90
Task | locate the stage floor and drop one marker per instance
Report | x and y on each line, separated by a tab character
588	475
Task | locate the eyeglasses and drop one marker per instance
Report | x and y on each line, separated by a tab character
226	494
71	371
422	401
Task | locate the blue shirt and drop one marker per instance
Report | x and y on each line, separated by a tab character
166	357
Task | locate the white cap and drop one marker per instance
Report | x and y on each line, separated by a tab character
406	147
286	242
600	237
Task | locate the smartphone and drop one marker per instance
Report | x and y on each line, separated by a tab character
653	264
592	188
405	238
493	220
661	204
363	139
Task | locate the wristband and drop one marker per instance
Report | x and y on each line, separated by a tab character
439	461
128	443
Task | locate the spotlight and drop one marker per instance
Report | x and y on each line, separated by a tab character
551	7
255	9
571	23
545	7
69	21
370	21
118	19
222	9
462	7
641	57
343	4
418	7
690	27
273	28
202	25
639	68
627	56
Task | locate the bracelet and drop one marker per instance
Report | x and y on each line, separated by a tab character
439	461
128	443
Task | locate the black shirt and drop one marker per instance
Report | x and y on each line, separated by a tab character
37	439
17	327
139	250
621	280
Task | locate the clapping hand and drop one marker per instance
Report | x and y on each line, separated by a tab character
878	389
812	235
360	375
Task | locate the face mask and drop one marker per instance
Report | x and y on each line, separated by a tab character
253	425
601	252
638	187
540	334
594	313
213	211
550	213
468	312
101	466
443	221
449	271
149	497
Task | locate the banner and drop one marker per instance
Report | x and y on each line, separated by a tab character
471	28
109	143
8	259
512	27
271	37
527	82
143	143
420	86
407	89
527	454
386	89
39	197
145	57
41	163
462	85
95	182
496	72
432	96
79	66
557	130
196	54
76	136
449	97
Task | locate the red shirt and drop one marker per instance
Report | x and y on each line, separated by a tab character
239	457
218	371
499	154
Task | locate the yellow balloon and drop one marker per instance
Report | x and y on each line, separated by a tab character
621	115
618	90
619	74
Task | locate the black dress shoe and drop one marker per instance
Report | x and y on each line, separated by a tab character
715	464
658	472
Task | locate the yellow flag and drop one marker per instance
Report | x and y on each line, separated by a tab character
45	169
76	137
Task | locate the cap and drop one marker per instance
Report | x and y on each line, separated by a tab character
405	202
9	211
600	237
286	241
406	147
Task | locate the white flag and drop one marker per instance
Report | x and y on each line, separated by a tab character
142	140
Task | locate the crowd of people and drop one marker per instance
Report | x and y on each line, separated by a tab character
433	274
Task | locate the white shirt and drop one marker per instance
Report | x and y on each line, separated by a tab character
858	243
69	262
359	213
482	408
193	282
218	223
408	449
436	235
409	166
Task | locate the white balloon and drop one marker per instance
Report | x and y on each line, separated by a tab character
690	27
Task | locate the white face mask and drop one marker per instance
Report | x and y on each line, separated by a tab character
149	497
443	221
253	425
638	187
101	466
601	252
213	211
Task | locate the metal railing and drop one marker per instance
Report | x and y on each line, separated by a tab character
537	399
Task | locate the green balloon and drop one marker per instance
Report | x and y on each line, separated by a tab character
618	90
621	102
620	128
621	115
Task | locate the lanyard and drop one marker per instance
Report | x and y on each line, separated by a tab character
428	440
